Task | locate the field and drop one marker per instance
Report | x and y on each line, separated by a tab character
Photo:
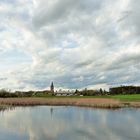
133	98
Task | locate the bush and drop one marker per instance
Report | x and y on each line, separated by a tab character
4	93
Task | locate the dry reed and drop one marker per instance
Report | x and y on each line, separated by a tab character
82	102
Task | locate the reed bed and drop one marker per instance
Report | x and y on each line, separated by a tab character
95	103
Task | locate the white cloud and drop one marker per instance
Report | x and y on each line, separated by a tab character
76	44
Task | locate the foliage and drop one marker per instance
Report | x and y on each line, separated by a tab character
6	93
100	92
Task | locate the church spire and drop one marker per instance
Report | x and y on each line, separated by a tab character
52	87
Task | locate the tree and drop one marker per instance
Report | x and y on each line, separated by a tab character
101	91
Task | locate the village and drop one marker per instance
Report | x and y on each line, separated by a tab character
120	90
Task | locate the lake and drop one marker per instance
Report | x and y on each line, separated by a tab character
69	123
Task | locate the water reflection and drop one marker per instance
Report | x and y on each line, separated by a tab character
71	123
51	111
6	108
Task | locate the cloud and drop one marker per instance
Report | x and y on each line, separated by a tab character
76	44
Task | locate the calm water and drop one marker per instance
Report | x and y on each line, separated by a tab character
69	123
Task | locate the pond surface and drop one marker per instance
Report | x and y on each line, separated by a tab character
69	123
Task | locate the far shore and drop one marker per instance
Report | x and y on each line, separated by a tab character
81	102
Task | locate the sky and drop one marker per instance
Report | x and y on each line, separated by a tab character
74	43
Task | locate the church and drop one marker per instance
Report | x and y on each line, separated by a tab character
52	88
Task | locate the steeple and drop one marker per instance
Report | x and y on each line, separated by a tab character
52	88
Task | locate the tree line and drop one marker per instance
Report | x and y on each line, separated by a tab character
121	90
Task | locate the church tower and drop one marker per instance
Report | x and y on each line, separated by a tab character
52	88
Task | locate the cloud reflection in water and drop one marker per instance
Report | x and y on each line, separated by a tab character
69	123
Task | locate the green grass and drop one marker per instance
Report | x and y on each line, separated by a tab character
134	97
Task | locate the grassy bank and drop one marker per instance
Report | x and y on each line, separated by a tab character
133	98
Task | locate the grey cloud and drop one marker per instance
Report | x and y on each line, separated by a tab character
124	61
84	63
62	10
76	44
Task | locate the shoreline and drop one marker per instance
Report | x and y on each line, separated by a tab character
79	102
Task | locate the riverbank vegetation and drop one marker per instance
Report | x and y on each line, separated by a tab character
123	93
107	103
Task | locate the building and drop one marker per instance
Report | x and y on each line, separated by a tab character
64	93
52	87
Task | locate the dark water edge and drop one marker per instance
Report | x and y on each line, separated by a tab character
5	107
69	123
